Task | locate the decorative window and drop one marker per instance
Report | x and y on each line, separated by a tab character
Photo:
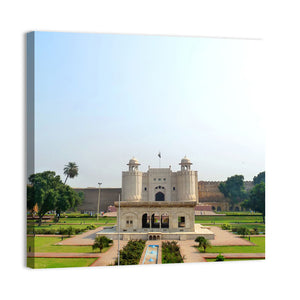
164	179
173	188
154	179
159	179
181	221
145	189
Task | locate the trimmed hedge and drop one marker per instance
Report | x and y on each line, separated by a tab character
64	231
131	253
171	253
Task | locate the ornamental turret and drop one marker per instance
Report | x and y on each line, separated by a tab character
187	182
132	182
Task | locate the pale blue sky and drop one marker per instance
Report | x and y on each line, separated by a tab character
101	99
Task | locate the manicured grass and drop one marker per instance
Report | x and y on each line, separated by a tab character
233	259
228	219
47	244
54	226
101	220
238	213
259	247
260	227
40	262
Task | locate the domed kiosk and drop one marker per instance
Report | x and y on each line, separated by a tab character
158	204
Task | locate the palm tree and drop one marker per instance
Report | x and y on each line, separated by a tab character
203	242
71	170
101	242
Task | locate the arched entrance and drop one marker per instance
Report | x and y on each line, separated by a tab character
155	221
164	221
145	221
159	196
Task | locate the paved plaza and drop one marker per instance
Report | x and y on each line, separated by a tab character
187	248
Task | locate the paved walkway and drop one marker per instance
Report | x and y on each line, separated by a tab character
227	238
187	248
109	257
83	239
190	253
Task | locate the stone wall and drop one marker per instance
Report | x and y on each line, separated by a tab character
107	197
208	194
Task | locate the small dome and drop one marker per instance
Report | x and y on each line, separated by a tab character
185	160
133	161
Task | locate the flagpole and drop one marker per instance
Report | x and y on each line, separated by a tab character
159	158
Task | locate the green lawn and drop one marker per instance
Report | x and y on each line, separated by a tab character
259	247
101	220
260	227
233	259
80	222
40	263
54	226
237	213
91	220
47	244
228	219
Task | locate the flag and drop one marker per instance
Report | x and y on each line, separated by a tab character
159	155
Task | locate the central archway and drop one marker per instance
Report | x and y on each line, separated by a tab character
159	196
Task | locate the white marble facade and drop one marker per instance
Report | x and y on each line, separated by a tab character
158	200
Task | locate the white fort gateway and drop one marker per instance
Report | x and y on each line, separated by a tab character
158	204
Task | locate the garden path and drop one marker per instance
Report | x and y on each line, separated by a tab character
108	258
83	239
227	238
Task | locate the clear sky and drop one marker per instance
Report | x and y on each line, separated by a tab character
101	99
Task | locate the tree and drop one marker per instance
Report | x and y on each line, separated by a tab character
256	199
67	199
234	189
101	242
261	177
70	170
43	191
47	192
203	242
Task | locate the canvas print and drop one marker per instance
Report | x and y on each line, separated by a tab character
143	150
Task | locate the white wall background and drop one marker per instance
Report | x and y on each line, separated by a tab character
274	21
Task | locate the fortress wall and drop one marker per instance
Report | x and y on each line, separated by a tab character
208	194
208	191
107	197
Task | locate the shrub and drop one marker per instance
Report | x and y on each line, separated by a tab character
131	253
203	242
91	227
243	231
171	253
226	226
220	257
101	242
